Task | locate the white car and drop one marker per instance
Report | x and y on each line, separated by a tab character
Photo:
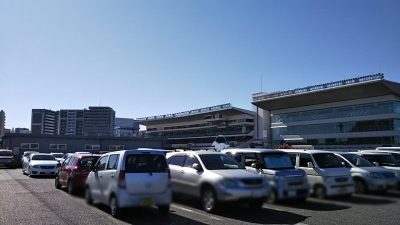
130	178
39	164
58	156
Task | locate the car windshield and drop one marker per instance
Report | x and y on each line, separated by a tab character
26	154
6	153
57	155
326	160
278	161
383	160
357	160
43	157
145	163
88	161
219	162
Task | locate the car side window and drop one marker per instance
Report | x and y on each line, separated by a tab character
112	162
341	160
101	164
250	158
71	161
178	160
293	158
304	159
66	161
190	160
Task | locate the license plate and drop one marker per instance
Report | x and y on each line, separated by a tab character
291	193
146	202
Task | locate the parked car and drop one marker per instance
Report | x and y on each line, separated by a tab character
367	176
73	172
130	178
7	158
393	152
286	181
325	174
40	164
58	156
215	177
383	159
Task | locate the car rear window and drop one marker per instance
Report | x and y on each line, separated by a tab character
145	163
88	161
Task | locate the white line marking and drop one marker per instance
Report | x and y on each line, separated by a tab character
198	213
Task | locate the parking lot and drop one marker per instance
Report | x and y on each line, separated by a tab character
26	200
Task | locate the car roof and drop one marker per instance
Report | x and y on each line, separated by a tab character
374	152
153	151
40	154
305	151
253	150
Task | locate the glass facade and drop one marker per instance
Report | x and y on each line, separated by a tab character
204	132
345	127
339	112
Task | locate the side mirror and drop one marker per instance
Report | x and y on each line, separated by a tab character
255	166
376	163
310	165
196	166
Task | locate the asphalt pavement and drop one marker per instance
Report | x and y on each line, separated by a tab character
25	200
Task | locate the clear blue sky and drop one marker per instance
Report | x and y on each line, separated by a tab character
146	58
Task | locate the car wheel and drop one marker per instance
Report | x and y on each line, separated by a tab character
320	192
257	204
163	209
360	186
114	209
272	197
71	188
57	182
88	196
209	200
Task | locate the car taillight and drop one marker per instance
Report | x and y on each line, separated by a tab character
121	179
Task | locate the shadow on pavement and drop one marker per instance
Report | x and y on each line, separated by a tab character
364	199
313	205
43	177
247	215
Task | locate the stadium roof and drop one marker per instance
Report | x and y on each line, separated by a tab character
355	88
226	108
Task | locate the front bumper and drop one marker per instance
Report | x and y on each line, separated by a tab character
340	189
43	172
126	200
381	184
237	194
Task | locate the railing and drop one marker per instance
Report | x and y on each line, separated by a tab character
187	113
259	97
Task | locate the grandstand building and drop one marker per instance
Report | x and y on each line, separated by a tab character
362	112
198	128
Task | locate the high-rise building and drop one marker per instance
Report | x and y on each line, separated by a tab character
70	122
2	122
125	127
98	121
20	130
44	121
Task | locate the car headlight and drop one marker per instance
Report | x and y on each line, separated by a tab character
36	166
375	175
229	183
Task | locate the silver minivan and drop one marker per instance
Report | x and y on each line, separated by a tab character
326	175
130	178
215	177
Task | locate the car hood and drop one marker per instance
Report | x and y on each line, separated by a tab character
392	168
335	171
285	172
235	173
44	162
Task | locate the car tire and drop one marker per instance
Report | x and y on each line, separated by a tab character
88	196
57	182
115	211
70	187
360	186
163	209
320	191
209	200
272	197
257	204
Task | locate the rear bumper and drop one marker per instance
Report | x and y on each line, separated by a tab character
79	181
44	172
126	200
381	185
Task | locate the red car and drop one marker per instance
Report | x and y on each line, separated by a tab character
7	158
73	172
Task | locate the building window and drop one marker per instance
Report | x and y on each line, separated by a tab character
58	146
29	146
116	147
92	147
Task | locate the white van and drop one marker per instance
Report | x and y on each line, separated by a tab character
130	178
325	174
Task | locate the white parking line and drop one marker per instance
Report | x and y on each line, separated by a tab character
194	212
